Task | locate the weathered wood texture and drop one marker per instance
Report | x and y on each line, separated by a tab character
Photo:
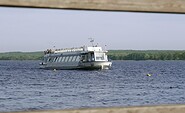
149	109
167	6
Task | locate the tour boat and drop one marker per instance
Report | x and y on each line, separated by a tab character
85	57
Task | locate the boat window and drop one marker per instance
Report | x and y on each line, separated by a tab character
74	58
70	58
49	59
59	59
55	59
99	56
66	59
77	58
63	59
92	56
84	57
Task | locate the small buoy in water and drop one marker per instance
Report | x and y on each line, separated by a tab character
54	69
149	75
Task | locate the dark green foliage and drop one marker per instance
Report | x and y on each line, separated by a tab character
21	56
113	54
146	54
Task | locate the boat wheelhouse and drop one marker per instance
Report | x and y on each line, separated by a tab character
76	58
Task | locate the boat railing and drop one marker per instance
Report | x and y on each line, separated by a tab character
78	49
68	50
50	51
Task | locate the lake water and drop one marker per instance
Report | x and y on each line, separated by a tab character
23	86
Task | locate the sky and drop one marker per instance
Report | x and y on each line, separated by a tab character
29	29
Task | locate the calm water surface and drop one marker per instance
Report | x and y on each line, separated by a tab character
23	86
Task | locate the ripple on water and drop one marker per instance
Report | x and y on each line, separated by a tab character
24	87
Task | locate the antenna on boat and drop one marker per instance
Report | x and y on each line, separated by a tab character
53	47
105	47
91	40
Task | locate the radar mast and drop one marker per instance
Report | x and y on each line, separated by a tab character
92	41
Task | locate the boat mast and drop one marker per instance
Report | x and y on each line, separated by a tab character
92	41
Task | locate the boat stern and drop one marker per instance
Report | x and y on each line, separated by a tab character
96	65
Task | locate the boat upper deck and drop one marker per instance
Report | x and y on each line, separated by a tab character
74	50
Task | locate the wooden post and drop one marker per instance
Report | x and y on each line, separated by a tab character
144	109
160	6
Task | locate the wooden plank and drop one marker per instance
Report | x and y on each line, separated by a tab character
161	6
144	109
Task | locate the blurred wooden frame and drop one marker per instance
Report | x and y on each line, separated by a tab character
156	6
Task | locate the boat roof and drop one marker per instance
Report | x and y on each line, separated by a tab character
78	49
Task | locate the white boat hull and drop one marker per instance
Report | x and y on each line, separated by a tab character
80	65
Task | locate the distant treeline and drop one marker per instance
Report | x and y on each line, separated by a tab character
147	54
21	56
113	54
